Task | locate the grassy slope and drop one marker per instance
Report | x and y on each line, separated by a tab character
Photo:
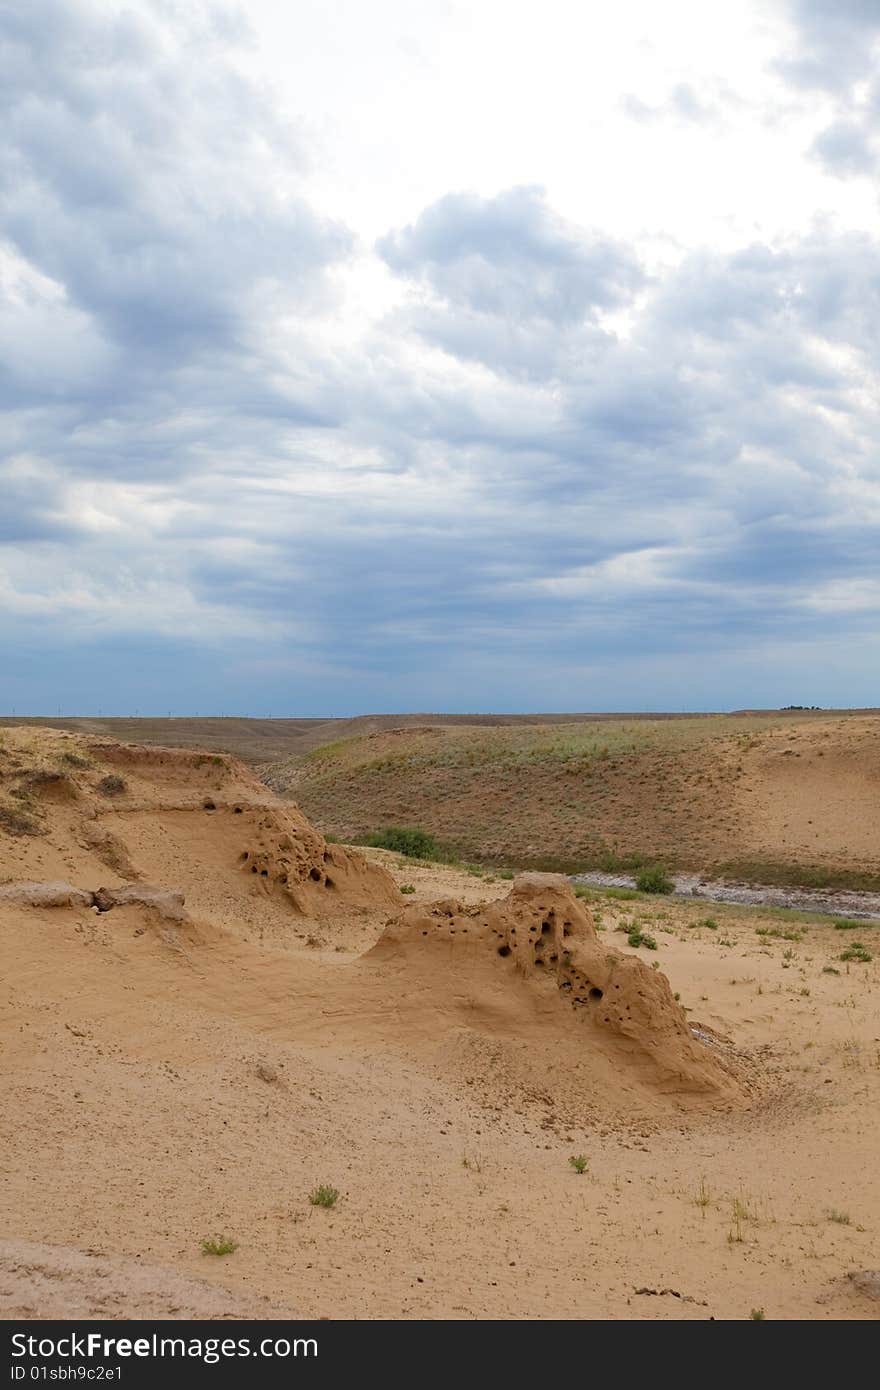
567	791
573	796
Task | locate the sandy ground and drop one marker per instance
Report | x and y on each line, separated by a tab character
170	1080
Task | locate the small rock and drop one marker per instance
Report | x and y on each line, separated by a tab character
867	1281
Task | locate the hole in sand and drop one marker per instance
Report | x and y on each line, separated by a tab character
244	855
282	878
566	931
237	810
328	883
209	806
315	874
597	993
264	873
545	928
504	950
253	868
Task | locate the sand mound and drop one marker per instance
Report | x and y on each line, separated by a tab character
55	1281
542	934
195	825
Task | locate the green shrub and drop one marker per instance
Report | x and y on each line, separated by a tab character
579	1162
637	937
654	879
407	888
415	844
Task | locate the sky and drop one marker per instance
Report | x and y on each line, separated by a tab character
438	356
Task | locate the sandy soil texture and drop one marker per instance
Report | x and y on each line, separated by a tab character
208	1013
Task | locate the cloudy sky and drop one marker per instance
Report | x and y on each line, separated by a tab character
438	355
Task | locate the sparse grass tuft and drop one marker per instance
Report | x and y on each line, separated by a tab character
407	888
579	1162
473	1162
324	1196
76	759
758	1315
840	1218
220	1245
15	820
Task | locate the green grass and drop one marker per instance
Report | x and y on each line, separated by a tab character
407	888
220	1245
594	895
840	1218
579	1162
856	951
324	1196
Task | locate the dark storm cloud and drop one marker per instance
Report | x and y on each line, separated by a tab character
543	468
134	174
